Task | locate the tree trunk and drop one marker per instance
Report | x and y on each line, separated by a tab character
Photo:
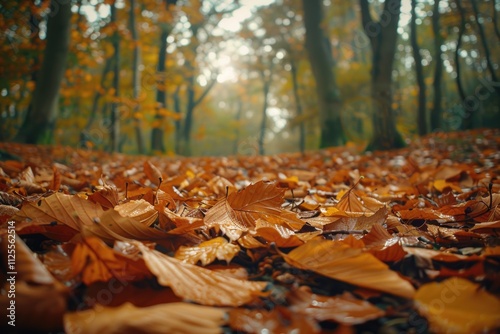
419	72
42	112
486	48
320	57
436	112
115	114
266	86
383	37
157	133
298	105
237	118
85	136
136	86
466	119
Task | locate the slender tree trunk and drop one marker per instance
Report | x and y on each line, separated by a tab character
85	133
115	113
466	124
237	118
436	112
157	133
383	37
320	57
495	19
178	122
42	112
266	81
136	78
419	72
298	105
486	48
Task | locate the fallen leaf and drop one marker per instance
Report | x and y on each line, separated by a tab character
95	261
457	305
274	321
140	210
344	309
70	210
206	252
182	318
339	261
198	284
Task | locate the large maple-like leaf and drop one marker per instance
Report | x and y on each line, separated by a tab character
181	318
352	265
457	305
199	284
344	309
239	212
97	262
208	251
70	210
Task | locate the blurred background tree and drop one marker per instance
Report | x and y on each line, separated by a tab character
212	77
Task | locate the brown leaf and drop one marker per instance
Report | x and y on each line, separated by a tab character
344	309
457	305
97	262
239	212
275	321
208	251
139	210
198	284
70	210
152	172
106	195
342	262
182	318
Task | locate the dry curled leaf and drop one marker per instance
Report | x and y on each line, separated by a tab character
352	265
182	318
344	309
198	284
208	251
95	261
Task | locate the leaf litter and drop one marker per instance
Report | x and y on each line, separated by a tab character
321	242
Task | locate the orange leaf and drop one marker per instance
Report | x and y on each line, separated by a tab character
277	320
66	209
97	262
181	318
208	251
344	309
457	305
339	261
198	284
152	172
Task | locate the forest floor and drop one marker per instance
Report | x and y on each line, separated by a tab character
331	241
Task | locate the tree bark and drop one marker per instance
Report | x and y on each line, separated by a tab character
383	37
157	133
320	57
436	112
136	87
266	86
466	123
115	114
298	104
419	72
486	48
85	136
42	112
